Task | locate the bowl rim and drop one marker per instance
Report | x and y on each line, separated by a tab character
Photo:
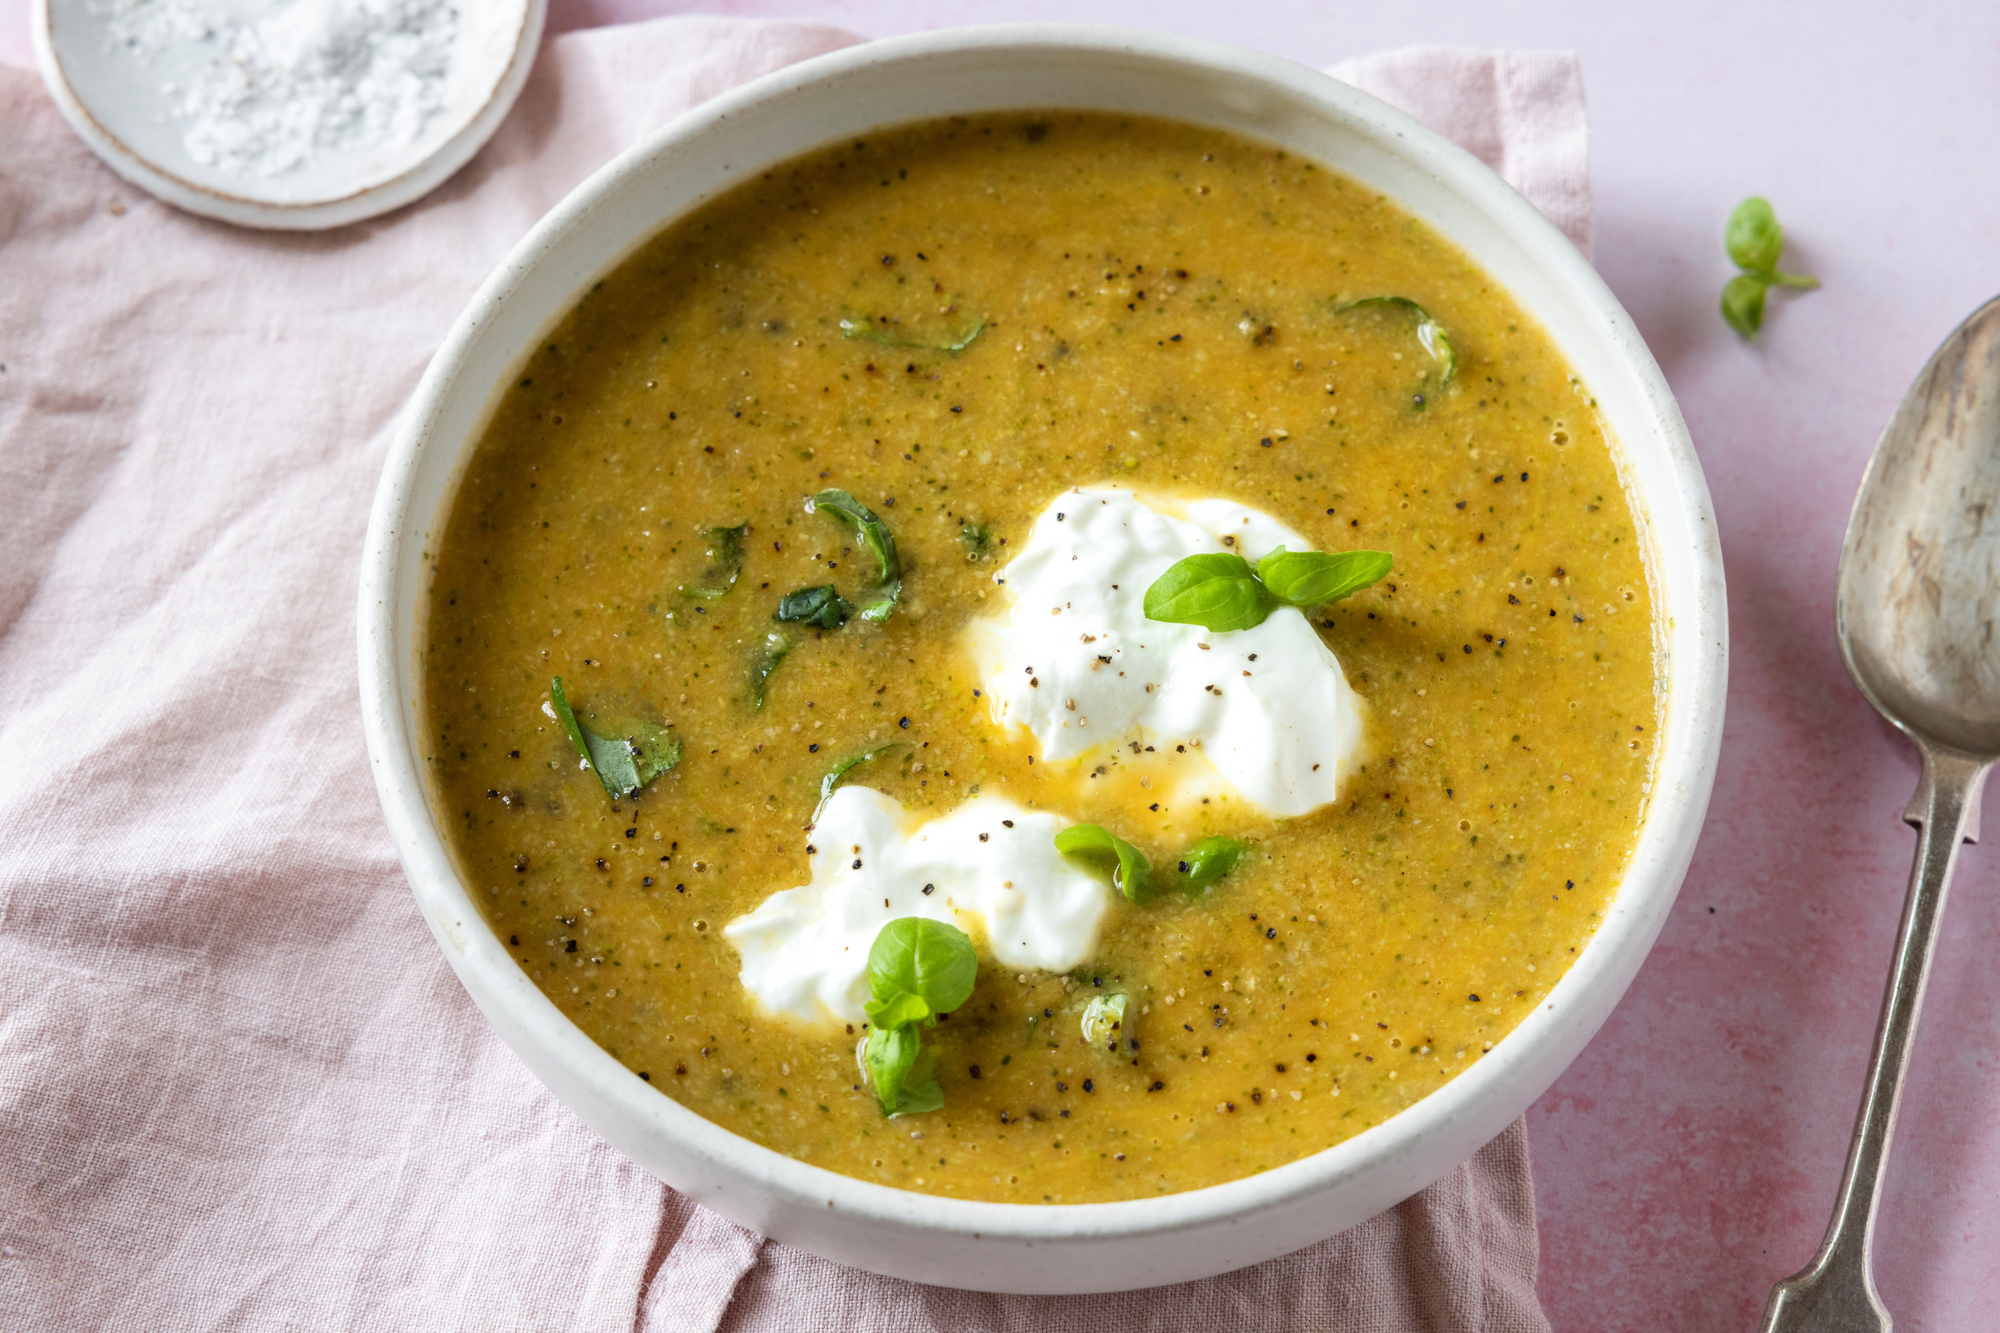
1691	712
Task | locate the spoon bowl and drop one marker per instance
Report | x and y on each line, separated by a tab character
1919	603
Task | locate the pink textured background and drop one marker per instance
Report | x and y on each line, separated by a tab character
1689	1158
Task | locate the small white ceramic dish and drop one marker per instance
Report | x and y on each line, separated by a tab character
130	109
1007	1247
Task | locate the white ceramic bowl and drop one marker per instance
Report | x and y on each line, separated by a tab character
1041	1248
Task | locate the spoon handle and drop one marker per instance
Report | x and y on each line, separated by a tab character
1835	1293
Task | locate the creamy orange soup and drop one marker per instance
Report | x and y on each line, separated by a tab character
1156	306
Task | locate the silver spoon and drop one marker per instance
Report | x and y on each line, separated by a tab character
1919	608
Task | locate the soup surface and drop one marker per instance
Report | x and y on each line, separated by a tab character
1151	306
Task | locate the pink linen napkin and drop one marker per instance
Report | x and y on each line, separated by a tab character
1519	112
239	1088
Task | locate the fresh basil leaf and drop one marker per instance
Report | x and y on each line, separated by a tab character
1208	860
1103	1020
725	556
888	1056
821	607
875	603
1753	237
976	540
1217	591
931	961
1131	873
777	646
1311	578
1430	334
1743	303
882	330
838	773
632	755
900	1010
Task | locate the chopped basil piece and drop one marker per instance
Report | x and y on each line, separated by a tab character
1309	578
1207	861
1131	874
725	556
821	607
1430	333
874	603
776	646
633	754
1103	1021
1217	591
886	332
976	540
839	771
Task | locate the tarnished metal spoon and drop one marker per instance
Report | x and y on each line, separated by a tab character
1919	626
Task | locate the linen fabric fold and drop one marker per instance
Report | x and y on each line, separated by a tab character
239	1087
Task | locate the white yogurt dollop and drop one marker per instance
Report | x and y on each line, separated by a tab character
1076	661
993	871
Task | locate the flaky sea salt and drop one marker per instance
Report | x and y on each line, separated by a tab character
272	85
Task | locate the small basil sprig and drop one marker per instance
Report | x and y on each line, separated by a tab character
1755	243
1430	334
1220	592
884	332
976	540
1208	860
1202	864
1131	872
623	762
725	555
917	969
